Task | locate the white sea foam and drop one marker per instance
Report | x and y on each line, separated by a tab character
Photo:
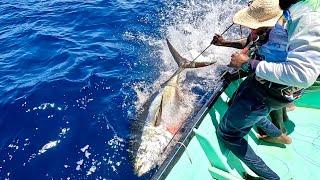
48	146
79	164
91	170
190	26
84	148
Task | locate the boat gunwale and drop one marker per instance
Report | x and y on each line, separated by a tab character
186	136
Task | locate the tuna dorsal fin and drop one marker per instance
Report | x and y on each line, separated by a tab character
159	114
176	56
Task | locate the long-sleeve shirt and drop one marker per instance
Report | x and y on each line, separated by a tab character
302	66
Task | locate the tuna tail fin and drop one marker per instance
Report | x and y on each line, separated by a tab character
176	56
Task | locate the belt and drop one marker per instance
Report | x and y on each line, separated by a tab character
289	93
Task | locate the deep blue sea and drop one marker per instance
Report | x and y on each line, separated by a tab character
67	70
65	75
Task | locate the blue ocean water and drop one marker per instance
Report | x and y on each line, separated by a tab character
66	71
74	72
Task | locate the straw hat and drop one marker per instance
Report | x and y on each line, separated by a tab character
261	13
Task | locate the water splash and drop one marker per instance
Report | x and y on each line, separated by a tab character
189	26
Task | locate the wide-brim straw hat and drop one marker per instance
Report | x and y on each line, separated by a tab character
261	13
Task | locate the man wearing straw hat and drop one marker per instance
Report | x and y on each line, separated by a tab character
263	43
275	84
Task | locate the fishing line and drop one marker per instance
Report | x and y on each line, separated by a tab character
164	149
310	125
185	147
306	158
251	43
180	69
212	41
313	142
314	145
275	157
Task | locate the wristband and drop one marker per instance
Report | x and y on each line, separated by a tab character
245	67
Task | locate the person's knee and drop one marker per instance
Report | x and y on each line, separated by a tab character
223	135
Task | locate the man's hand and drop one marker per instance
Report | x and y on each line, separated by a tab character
217	40
237	59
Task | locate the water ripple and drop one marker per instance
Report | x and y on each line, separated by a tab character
66	72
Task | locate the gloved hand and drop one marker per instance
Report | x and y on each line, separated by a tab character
217	40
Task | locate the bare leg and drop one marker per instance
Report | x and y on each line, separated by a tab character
291	107
285	115
274	135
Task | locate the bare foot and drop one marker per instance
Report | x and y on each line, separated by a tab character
282	139
259	136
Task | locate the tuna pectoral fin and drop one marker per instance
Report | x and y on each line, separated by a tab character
158	114
176	56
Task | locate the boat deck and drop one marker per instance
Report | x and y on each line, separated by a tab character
299	160
206	158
